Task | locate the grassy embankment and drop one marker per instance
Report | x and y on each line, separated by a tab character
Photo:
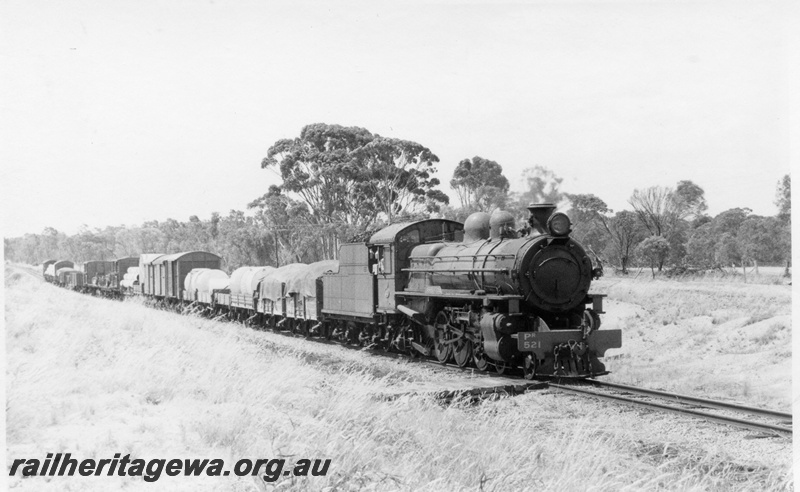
95	377
763	275
721	339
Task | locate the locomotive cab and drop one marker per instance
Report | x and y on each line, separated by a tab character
390	249
372	272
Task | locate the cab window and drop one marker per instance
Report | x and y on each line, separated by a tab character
409	237
380	261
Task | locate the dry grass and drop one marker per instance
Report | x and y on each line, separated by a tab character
95	377
766	275
717	339
668	301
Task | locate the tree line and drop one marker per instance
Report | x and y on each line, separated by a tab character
341	183
668	227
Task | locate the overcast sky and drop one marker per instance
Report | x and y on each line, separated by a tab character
117	112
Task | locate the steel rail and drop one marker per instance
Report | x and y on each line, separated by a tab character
707	416
693	399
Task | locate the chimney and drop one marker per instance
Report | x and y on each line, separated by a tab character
540	212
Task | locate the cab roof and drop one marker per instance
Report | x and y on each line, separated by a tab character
184	255
390	233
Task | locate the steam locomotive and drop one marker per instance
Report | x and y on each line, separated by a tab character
479	293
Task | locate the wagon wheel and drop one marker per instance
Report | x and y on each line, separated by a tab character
412	335
479	356
462	351
365	336
529	366
442	349
338	332
481	362
351	334
502	367
388	333
407	334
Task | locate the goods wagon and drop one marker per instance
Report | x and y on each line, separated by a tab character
170	271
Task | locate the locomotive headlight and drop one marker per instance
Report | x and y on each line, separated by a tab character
559	224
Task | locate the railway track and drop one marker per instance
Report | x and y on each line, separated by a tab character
686	405
644	397
511	384
515	384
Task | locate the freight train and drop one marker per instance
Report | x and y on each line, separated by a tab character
481	293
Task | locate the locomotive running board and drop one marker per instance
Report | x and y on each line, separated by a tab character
449	295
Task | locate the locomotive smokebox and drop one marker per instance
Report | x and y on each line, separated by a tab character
540	212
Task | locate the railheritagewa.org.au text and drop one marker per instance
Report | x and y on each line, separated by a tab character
63	464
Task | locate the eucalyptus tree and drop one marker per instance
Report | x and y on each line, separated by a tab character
397	178
344	179
480	184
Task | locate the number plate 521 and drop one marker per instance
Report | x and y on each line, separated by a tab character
527	341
